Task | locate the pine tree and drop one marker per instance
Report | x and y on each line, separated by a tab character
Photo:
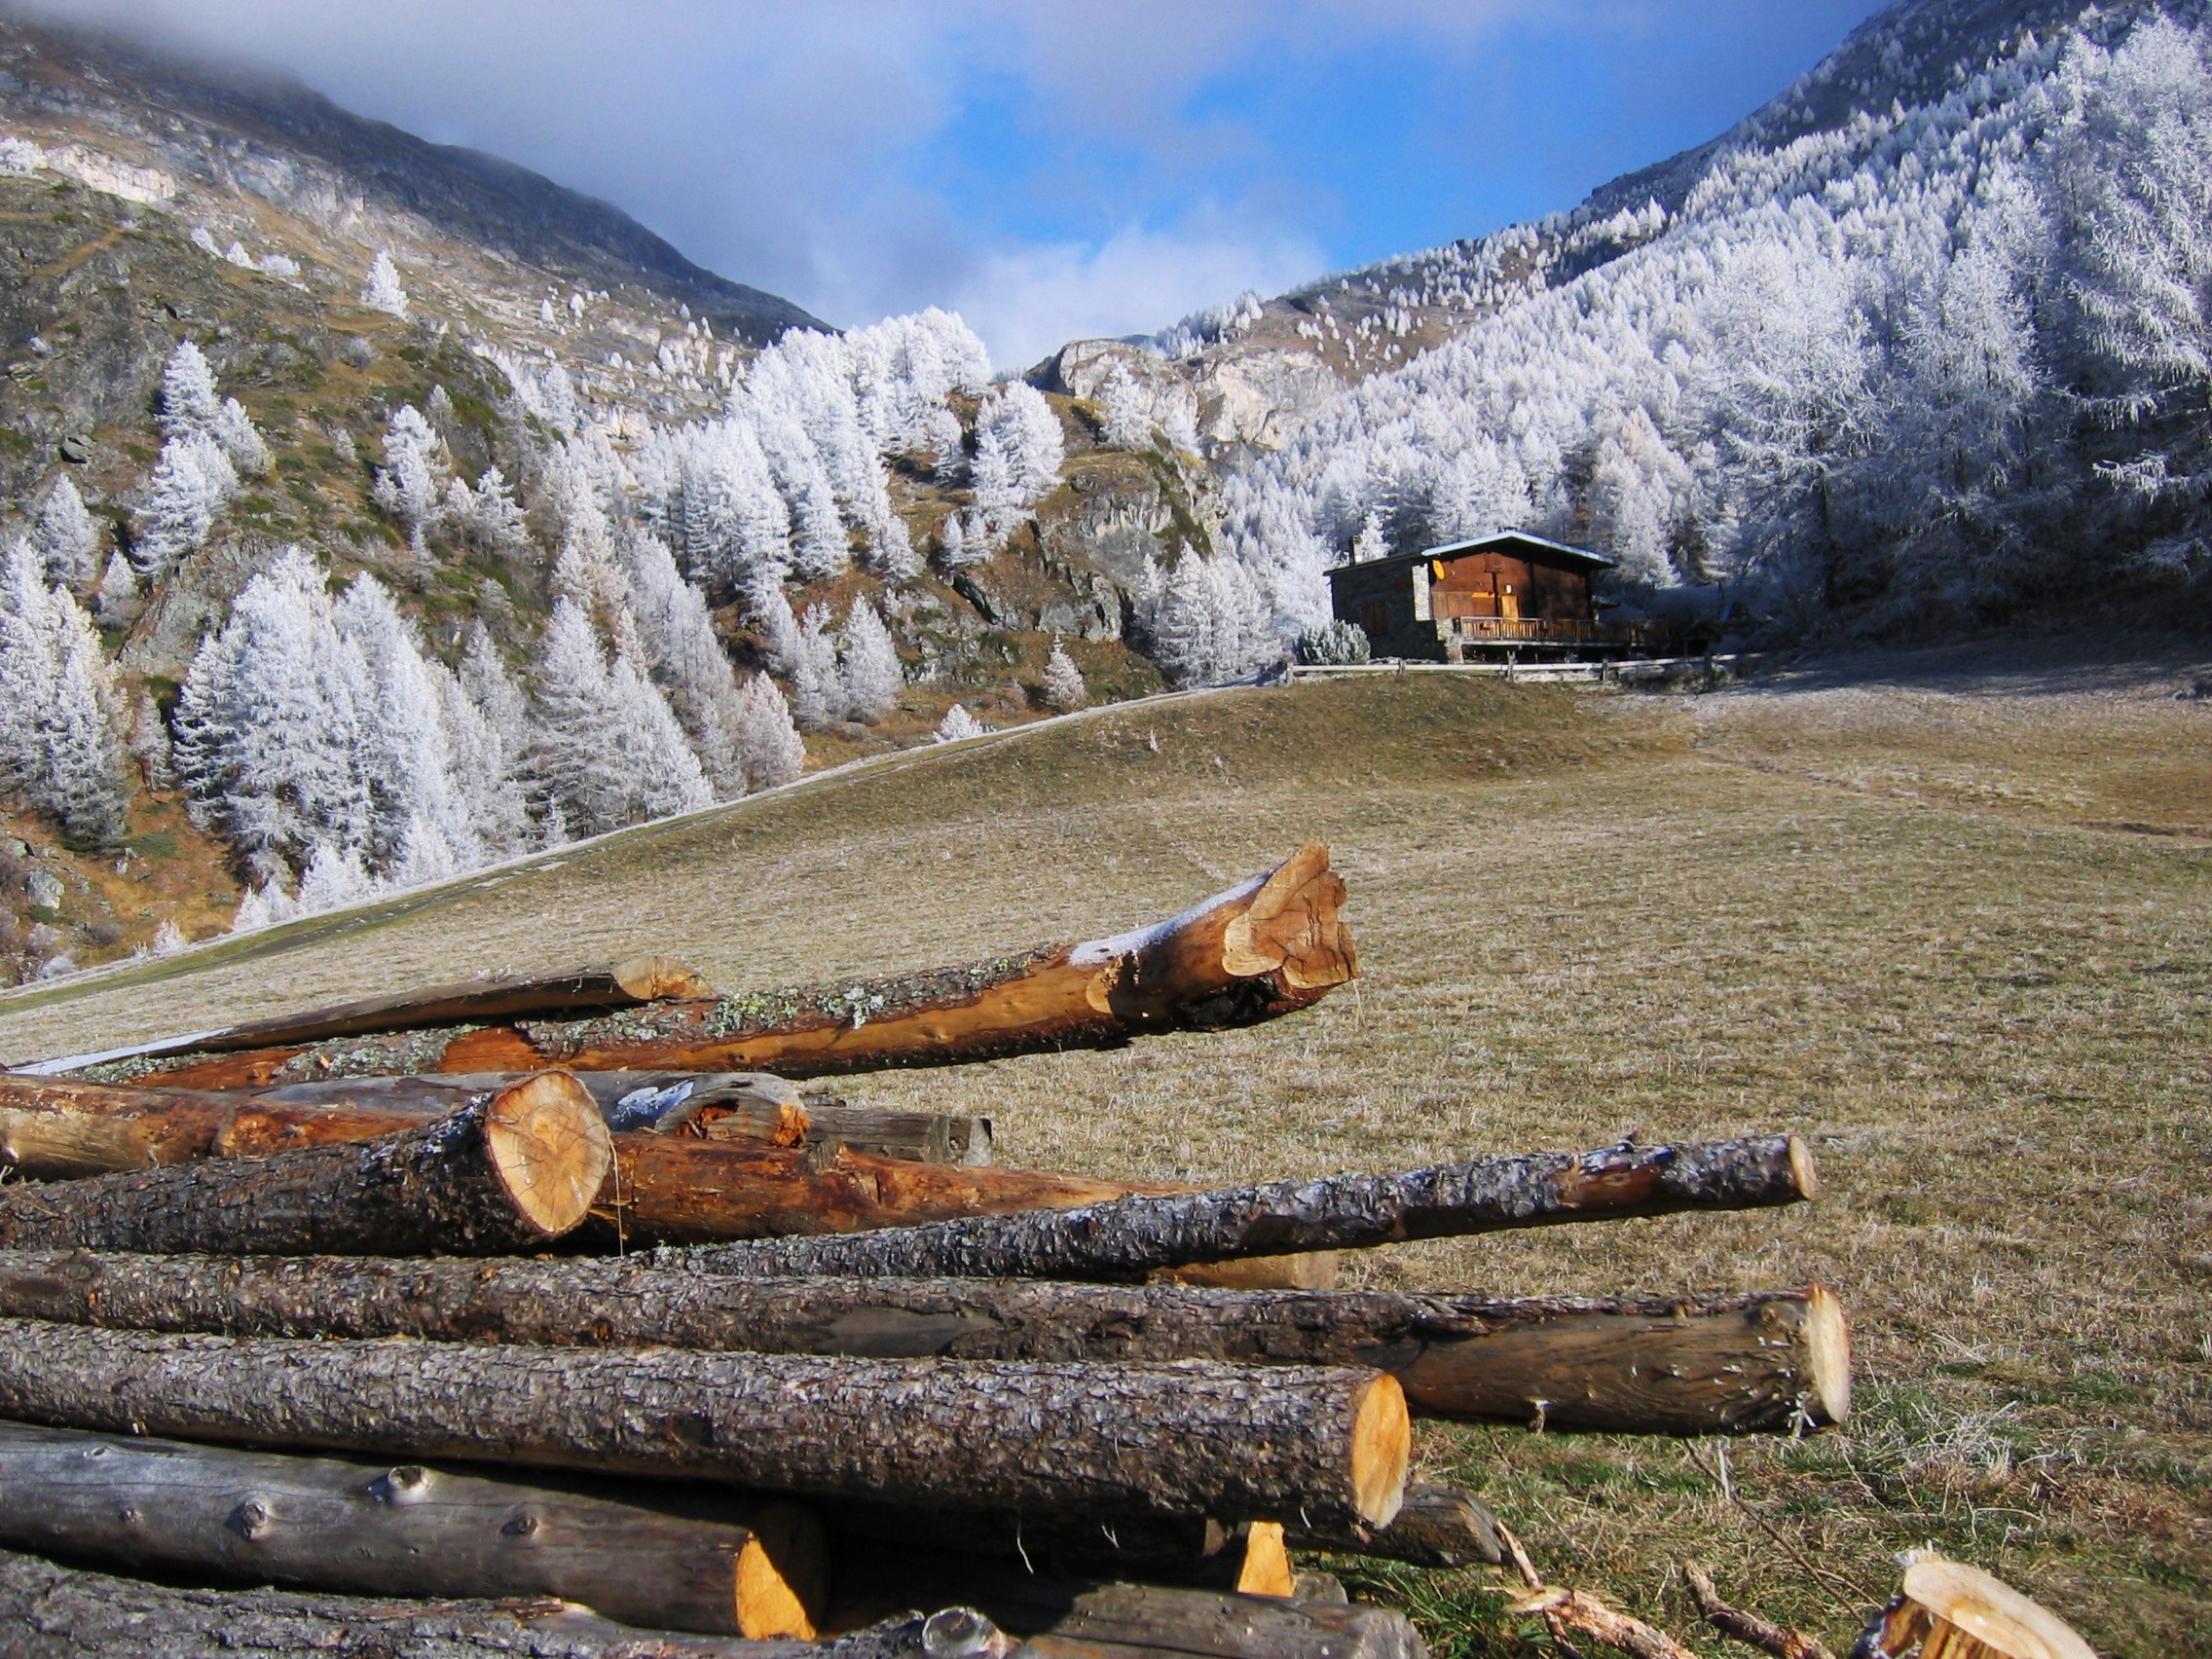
334	878
662	774
496	518
1128	410
27	670
1064	680
189	401
84	784
576	735
868	664
768	744
66	536
487	779
383	292
1186	624
688	660
403	756
241	440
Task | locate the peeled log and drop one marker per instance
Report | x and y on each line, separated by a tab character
1262	949
52	1612
1329	1443
374	1529
1774	1361
506	1173
1130	1236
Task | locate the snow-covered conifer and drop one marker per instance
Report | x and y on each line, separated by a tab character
959	724
189	399
241	440
411	484
1128	410
768	744
193	482
334	878
687	659
383	292
818	694
84	784
1064	680
66	536
868	664
117	601
403	756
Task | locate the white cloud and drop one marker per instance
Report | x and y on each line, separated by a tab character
1027	302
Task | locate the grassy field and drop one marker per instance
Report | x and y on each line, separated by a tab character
1945	913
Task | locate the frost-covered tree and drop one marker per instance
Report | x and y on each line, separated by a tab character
241	440
1063	682
117	602
494	518
604	749
1019	449
688	662
412	482
403	756
959	724
1127	406
768	744
486	725
193	482
190	403
868	665
66	537
60	749
382	291
334	878
818	693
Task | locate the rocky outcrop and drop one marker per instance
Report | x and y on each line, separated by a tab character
1255	396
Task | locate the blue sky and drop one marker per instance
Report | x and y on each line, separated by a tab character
1050	168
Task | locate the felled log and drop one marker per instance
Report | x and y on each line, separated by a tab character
1128	1236
662	1188
49	1611
1236	1441
1063	1619
629	984
1266	947
1437	1526
183	1510
750	1106
1193	1551
1947	1609
1773	1361
506	1172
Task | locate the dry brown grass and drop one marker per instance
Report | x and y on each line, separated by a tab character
1866	906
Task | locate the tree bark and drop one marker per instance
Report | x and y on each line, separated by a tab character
1130	1237
1263	949
1246	1443
668	1189
1121	1621
507	1172
57	1612
374	1529
1773	1361
748	1106
629	984
1437	1526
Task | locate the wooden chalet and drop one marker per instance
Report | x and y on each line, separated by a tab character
1510	594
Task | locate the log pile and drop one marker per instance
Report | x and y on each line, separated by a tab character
535	1312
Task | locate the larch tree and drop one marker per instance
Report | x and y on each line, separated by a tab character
193	482
1063	682
868	664
688	662
382	291
67	536
818	693
190	403
768	744
411	484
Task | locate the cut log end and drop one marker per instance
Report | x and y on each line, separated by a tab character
1266	1569
1291	926
659	979
783	1575
1381	1449
1996	1620
551	1148
1801	1171
1828	1357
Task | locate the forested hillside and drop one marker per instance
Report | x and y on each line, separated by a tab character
372	512
1925	344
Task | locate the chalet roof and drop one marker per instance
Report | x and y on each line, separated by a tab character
1519	544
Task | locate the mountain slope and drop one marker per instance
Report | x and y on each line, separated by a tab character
226	128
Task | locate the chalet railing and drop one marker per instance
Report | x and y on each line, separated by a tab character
1534	630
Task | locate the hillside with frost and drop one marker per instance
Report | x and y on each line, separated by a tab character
1927	342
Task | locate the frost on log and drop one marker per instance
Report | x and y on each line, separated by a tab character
507	1172
1266	947
1328	1444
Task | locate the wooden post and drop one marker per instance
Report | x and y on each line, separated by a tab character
1246	1443
375	1530
1262	949
1773	1361
506	1172
1130	1237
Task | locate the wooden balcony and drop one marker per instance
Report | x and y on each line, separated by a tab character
1463	632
